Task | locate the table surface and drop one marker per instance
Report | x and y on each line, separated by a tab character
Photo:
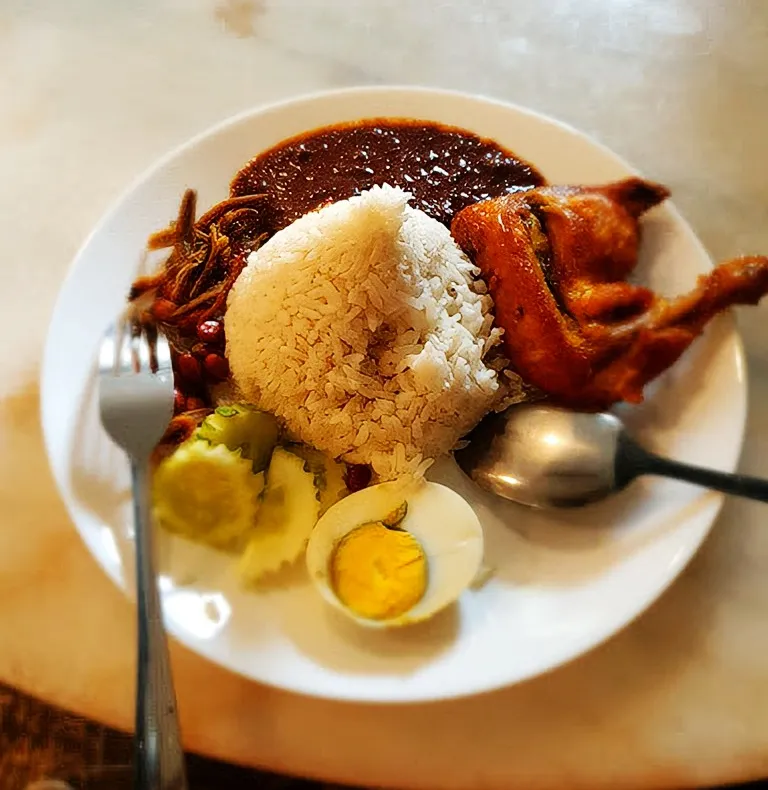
45	748
93	92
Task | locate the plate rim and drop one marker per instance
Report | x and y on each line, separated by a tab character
112	209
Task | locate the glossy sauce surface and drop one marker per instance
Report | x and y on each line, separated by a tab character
445	168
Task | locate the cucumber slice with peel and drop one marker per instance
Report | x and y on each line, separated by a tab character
328	472
207	494
242	427
289	511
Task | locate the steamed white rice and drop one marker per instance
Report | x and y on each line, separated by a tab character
360	326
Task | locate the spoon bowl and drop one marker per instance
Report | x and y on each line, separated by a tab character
549	457
543	456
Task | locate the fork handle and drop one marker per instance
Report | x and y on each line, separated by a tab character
159	758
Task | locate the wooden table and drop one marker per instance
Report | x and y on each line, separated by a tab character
41	746
93	91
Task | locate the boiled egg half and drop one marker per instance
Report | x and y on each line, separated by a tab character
395	553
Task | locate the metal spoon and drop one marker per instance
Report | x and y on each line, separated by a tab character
544	456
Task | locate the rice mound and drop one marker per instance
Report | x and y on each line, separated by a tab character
361	327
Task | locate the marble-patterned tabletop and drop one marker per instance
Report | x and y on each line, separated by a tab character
92	91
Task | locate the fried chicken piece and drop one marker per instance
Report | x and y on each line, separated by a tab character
555	260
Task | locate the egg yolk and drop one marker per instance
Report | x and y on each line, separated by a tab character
377	572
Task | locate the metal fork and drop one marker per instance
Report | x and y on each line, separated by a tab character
136	403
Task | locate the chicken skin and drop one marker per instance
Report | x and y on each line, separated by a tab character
555	260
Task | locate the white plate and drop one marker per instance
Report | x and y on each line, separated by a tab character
563	582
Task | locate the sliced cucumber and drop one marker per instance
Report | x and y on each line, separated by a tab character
207	494
241	427
329	474
289	511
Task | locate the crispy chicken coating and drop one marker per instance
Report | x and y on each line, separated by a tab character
556	259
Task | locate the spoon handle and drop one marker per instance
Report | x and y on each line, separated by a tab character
632	460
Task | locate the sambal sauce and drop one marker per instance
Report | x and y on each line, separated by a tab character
445	168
